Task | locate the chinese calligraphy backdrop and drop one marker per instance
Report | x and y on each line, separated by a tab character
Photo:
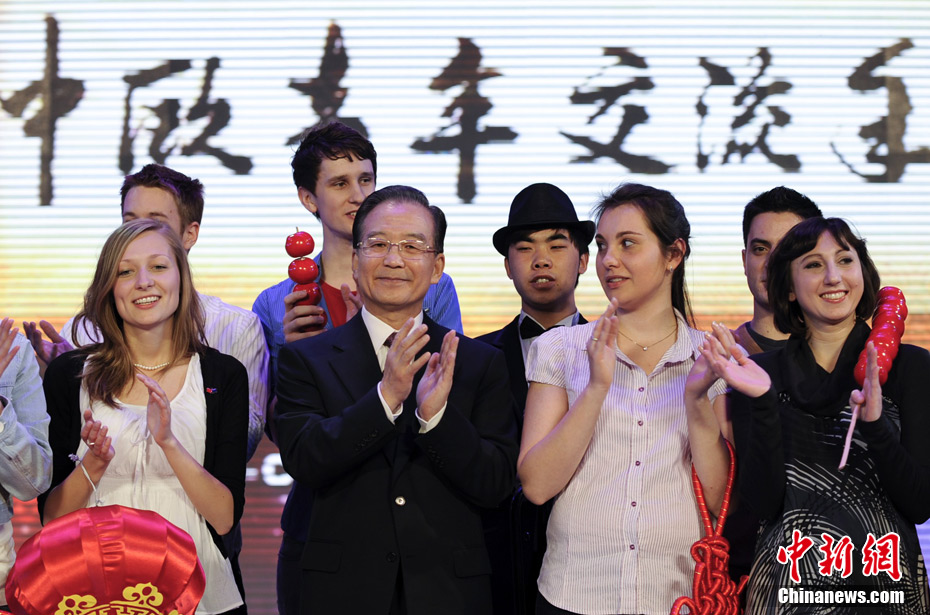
468	101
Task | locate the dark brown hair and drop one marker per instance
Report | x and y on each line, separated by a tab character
666	219
333	140
187	192
789	318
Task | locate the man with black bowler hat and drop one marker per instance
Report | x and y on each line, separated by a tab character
545	250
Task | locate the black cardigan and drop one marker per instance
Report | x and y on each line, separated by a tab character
226	393
901	456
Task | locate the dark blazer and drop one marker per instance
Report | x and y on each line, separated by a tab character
508	340
387	498
516	531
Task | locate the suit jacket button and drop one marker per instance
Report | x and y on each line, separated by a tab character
391	557
399	500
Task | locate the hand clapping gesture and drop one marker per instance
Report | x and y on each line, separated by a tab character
602	347
158	417
743	374
402	363
352	300
7	350
434	387
46	350
99	444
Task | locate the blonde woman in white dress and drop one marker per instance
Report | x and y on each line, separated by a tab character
151	418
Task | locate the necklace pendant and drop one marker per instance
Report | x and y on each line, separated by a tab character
645	348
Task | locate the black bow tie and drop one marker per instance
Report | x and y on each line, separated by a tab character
529	329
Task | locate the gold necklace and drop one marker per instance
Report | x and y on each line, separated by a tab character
645	348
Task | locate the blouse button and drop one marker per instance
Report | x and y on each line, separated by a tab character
632	547
641	389
633	504
400	501
640	423
638	463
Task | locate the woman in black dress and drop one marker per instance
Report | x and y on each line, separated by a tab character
790	412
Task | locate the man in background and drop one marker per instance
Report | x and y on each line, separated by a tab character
166	195
766	219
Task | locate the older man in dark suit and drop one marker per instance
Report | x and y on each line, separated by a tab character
404	429
545	249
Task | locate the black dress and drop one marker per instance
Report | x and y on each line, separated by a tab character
789	443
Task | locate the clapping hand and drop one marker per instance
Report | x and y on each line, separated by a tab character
402	362
46	350
7	350
434	387
869	397
602	347
158	412
352	300
99	444
742	373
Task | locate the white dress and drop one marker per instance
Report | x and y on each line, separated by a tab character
139	476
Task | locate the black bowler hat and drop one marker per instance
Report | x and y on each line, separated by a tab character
541	206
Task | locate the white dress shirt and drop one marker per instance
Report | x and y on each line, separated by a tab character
379	331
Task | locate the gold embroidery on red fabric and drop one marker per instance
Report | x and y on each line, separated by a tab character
141	599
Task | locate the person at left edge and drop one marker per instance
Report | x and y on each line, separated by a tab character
27	458
403	428
545	250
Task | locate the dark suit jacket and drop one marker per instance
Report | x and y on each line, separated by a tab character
508	340
516	532
387	498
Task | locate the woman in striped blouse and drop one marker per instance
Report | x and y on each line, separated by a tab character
605	431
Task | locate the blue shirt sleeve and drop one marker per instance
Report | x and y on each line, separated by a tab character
442	304
25	470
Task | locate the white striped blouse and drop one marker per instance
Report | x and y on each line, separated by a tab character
620	534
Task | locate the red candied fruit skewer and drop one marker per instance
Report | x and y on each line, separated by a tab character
887	329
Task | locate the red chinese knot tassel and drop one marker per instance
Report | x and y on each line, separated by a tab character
714	592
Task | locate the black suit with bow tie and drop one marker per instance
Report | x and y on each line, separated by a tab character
387	499
516	532
508	340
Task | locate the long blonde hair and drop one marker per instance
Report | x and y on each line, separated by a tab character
108	369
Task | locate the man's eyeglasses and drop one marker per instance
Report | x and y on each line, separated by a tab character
409	249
